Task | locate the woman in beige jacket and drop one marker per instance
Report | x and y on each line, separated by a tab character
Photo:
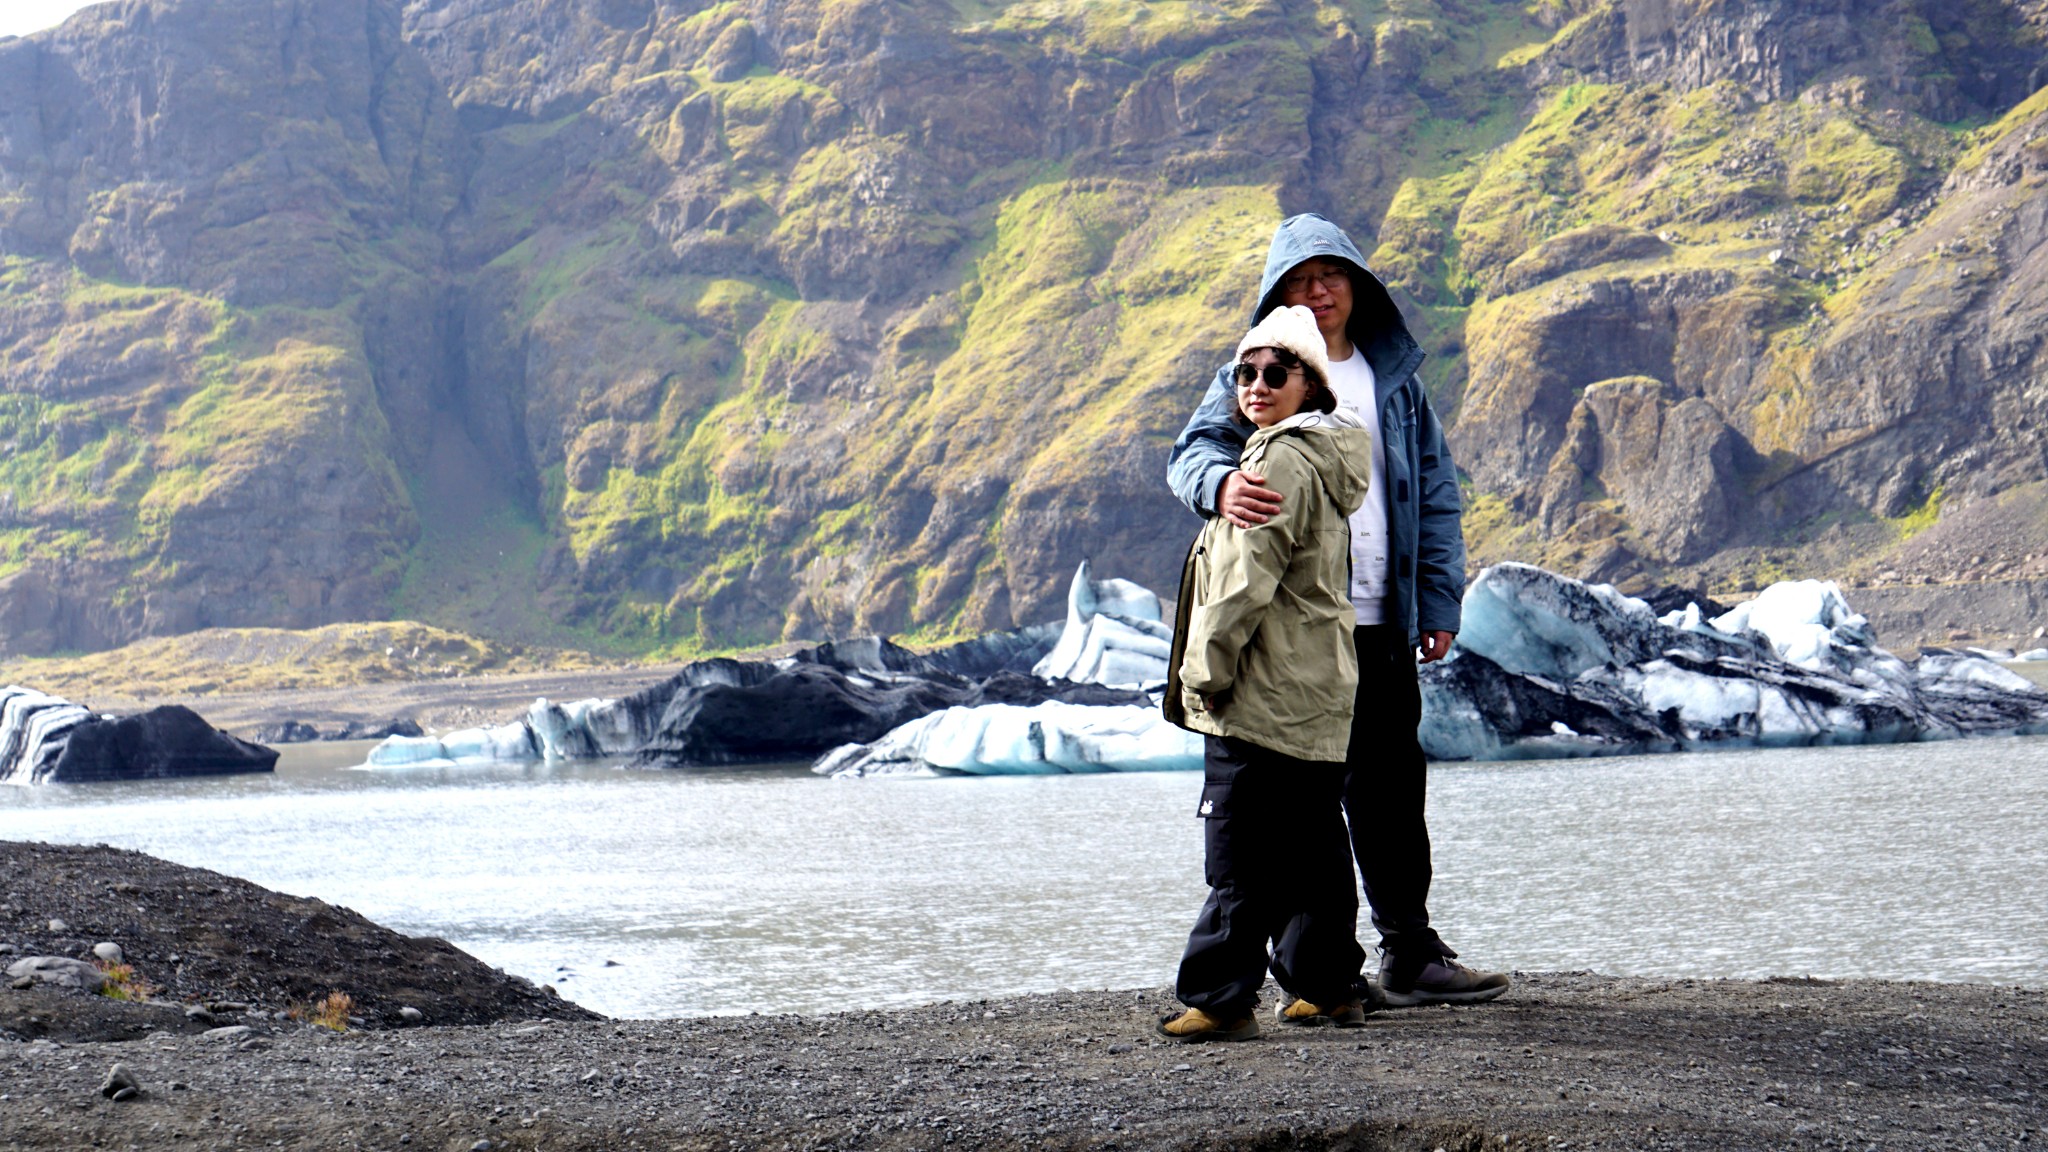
1267	671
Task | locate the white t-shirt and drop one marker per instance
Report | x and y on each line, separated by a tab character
1352	381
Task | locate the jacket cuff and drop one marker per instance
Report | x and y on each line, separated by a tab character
1435	618
1212	482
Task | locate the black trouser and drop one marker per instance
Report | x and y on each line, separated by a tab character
1275	857
1383	793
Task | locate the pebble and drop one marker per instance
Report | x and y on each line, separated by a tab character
120	1084
110	952
253	1044
59	926
411	1015
199	1013
480	1146
6	949
231	1032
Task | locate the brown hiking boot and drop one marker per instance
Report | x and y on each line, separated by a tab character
1195	1025
1350	1014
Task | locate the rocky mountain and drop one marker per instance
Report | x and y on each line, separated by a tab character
642	324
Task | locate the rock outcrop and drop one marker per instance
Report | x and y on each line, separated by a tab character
715	326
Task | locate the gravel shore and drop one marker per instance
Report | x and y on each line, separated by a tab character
1566	1060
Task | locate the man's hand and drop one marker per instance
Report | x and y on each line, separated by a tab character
1435	645
1243	499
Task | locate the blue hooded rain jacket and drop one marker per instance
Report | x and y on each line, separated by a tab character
1427	577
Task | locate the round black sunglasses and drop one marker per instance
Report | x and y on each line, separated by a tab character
1275	375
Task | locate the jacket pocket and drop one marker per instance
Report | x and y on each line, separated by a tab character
1220	834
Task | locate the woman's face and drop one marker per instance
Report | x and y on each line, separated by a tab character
1267	391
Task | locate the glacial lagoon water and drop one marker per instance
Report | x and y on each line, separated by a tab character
661	893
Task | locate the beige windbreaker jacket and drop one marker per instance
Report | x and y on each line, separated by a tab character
1263	645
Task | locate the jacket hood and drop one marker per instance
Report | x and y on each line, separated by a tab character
1308	236
1336	444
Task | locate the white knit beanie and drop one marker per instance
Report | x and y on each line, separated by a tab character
1292	327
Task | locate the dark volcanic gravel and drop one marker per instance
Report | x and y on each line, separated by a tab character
203	938
1564	1061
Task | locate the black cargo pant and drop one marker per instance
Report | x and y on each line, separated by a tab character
1384	790
1279	872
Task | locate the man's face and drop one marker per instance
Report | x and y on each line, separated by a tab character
1323	287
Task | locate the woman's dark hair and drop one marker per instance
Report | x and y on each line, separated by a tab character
1319	398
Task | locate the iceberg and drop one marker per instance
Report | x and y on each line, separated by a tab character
724	711
30	724
506	743
586	728
1546	666
45	739
1808	623
1549	666
1114	635
1008	740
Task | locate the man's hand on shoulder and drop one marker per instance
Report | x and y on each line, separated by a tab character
1435	645
1243	499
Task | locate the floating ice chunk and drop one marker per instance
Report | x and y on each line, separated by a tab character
1114	651
1114	635
1806	620
1956	669
1537	623
506	743
30	723
2032	654
1702	702
586	728
1999	654
1686	618
1547	666
1008	739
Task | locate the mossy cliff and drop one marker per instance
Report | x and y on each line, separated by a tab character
678	326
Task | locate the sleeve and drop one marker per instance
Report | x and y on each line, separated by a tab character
1245	567
1440	534
1207	449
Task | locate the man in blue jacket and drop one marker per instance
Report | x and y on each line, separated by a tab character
1408	577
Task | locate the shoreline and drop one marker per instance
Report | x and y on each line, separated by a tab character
1575	1057
1565	1059
438	704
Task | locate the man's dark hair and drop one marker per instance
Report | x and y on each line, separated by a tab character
1319	398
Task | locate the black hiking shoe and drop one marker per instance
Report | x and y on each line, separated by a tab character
1439	979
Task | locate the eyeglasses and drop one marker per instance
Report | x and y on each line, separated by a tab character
1275	375
1298	282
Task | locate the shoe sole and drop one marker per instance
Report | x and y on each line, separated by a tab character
1394	999
1249	1031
